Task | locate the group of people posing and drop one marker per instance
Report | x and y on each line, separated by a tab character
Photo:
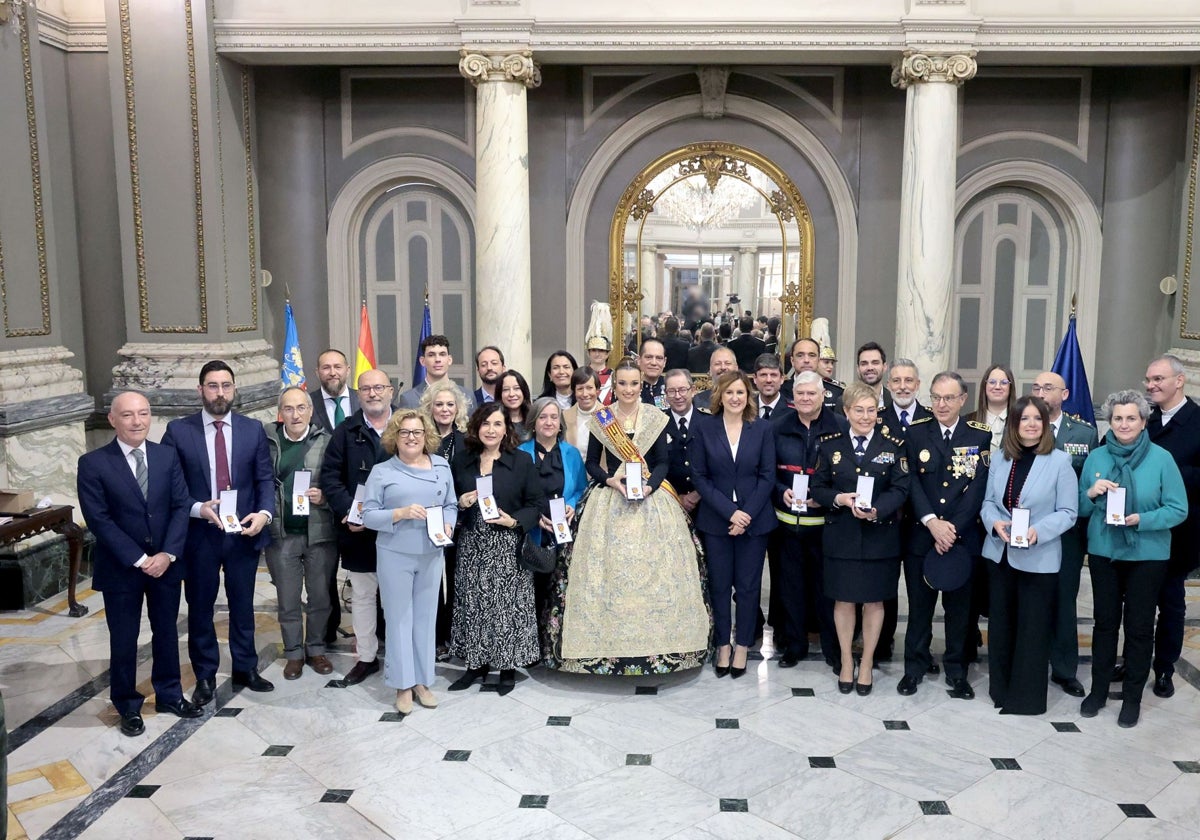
619	523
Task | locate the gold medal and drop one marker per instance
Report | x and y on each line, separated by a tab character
924	456
837	458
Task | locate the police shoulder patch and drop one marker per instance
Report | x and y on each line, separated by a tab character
830	436
896	441
1080	420
983	427
924	419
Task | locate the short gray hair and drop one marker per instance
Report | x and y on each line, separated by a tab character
1126	397
1174	361
539	405
684	372
907	363
289	389
805	377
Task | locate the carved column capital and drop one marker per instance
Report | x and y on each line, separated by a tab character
500	67
914	67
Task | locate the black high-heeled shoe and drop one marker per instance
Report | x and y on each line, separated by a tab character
736	672
720	670
468	679
863	690
845	687
508	681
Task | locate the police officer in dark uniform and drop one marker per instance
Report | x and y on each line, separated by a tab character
800	581
949	459
804	355
682	418
861	544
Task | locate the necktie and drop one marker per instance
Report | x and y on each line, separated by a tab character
766	412
946	436
224	482
683	427
143	480
860	448
339	413
904	419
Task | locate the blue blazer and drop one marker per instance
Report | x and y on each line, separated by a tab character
394	484
125	524
250	469
1051	493
574	477
717	475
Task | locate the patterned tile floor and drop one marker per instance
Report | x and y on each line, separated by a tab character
777	754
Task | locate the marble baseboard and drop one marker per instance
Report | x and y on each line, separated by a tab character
44	568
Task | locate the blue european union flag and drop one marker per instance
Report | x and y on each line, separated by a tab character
426	331
1068	363
291	369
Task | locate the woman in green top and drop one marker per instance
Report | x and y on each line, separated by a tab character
1127	561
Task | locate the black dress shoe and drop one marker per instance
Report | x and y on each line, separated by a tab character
908	685
179	708
788	661
720	670
132	725
508	681
736	672
960	689
933	668
360	672
863	690
1163	687
251	680
203	694
1118	674
1092	704
468	679
1070	685
845	687
1130	711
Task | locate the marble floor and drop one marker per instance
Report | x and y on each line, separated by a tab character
776	754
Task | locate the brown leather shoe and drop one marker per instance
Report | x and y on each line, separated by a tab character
320	664
291	671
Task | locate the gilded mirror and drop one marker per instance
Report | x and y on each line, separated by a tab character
711	223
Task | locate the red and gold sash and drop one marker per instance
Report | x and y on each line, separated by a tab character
606	420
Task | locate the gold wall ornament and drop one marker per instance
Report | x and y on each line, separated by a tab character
1190	217
914	67
18	11
713	160
500	67
135	184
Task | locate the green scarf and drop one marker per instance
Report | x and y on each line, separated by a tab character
1126	459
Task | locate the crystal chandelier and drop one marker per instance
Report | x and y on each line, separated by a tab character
691	204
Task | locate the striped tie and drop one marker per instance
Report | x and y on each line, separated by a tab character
143	479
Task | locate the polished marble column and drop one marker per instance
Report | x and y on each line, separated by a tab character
747	278
653	300
926	266
502	268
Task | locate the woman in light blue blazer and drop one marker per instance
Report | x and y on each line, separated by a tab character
401	492
1027	472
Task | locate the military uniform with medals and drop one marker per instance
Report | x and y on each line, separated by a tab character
949	482
1077	438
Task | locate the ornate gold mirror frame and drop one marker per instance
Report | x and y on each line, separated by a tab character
714	161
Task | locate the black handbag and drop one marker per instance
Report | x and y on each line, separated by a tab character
536	558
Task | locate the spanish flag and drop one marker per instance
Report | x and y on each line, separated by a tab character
364	359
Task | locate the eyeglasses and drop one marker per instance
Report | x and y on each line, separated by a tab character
218	387
1156	380
937	399
410	433
678	392
1044	389
864	410
373	389
999	382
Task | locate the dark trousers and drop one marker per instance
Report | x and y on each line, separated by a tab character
1020	619
335	606
802	588
232	554
979	606
735	567
1133	585
123	613
1168	638
1064	637
777	610
445	608
922	600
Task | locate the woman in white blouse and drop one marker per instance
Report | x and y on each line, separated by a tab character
585	386
997	393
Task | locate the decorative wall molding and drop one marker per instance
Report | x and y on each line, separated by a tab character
1081	221
593	109
713	81
922	68
1078	147
351	144
71	35
481	67
1186	331
798	135
831	111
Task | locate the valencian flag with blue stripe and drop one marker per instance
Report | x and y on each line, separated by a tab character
1068	363
426	331
292	367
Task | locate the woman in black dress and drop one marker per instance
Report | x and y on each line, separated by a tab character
556	381
513	393
862	545
495	624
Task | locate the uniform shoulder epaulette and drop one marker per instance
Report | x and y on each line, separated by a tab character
898	441
920	420
983	427
702	409
1080	420
830	436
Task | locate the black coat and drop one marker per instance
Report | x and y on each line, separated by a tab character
679	470
845	535
676	350
353	450
747	348
321	416
515	483
949	480
1181	437
797	448
698	356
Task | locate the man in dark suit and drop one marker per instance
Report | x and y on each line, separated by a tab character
1175	426
949	458
220	450
683	419
489	364
746	347
336	400
698	356
134	500
1077	439
675	347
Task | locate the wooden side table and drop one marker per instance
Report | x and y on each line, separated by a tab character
56	518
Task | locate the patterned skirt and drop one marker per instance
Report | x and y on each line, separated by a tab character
495	622
629	594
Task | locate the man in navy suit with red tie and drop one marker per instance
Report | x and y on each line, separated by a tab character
132	495
220	450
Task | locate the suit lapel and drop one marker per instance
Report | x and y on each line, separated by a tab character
125	475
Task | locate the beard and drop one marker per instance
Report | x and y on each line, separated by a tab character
217	406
